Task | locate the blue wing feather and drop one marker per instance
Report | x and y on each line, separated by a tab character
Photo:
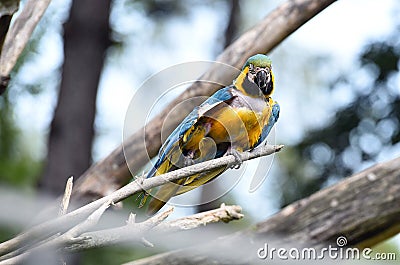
221	95
271	122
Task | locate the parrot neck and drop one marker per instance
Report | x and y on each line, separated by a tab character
270	101
272	85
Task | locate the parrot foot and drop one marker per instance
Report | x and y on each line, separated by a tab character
238	160
188	162
141	179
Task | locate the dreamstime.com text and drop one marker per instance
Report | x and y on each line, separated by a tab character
339	252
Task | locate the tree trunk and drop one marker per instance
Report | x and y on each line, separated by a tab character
233	23
86	39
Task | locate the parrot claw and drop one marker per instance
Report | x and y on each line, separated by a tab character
238	160
141	179
188	162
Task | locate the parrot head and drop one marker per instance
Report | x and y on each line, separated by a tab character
258	69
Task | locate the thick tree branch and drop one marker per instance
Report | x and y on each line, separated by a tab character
96	181
364	208
65	222
86	40
18	36
7	10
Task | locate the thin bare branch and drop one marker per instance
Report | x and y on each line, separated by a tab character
65	222
67	196
225	213
65	203
132	232
76	239
59	240
90	222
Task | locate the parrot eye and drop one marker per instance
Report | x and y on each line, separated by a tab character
251	69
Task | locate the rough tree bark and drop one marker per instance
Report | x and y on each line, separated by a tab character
112	172
363	208
86	39
18	36
233	22
7	10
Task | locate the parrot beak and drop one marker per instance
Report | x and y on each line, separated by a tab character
262	78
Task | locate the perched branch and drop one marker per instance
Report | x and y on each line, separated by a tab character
7	10
363	208
96	181
63	223
18	36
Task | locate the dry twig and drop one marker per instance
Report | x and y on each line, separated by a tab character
77	239
224	213
67	196
57	241
135	232
65	222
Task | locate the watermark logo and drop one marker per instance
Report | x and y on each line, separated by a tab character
341	241
339	252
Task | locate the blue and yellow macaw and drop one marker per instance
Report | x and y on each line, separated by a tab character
235	119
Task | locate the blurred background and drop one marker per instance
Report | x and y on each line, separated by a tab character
337	80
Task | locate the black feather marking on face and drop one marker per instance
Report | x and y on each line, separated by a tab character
268	88
251	87
263	79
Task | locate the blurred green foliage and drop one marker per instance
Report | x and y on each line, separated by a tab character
115	255
359	134
17	167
